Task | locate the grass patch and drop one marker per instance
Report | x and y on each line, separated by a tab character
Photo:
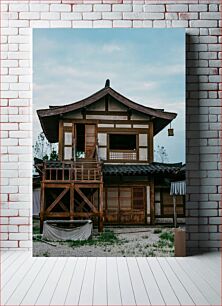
167	236
106	238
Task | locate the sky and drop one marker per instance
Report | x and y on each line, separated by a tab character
145	65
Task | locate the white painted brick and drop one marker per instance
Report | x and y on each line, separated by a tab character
171	16
39	7
18	236
9	126
9	31
29	15
208	15
197	7
9	63
60	7
122	23
24	212
4	220
102	7
180	23
112	15
19	7
9	94
19	102
82	24
162	23
122	7
19	118
177	8
154	8
187	16
13	47
10	142
4	7
25	244
137	8
138	23
93	15
24	229
9	212
213	7
60	24
203	23
39	24
71	16
18	23
215	63
82	8
9	244
102	23
51	16
135	15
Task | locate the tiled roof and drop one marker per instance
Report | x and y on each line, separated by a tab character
153	168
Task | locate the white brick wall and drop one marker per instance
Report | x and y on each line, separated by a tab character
200	17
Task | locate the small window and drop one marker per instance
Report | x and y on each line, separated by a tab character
122	141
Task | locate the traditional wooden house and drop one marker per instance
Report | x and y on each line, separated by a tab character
105	168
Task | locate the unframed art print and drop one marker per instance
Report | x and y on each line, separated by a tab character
108	142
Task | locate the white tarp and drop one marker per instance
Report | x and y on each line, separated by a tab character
178	188
36	201
55	233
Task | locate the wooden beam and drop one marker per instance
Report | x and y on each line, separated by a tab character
42	206
72	190
86	199
100	227
61	204
152	204
54	203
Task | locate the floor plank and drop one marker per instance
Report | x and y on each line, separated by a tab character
86	295
182	295
23	287
47	292
139	289
126	289
208	292
113	285
190	286
152	288
62	287
73	293
39	282
13	269
100	283
110	281
213	279
166	289
17	278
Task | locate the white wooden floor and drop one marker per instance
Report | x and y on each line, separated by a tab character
110	281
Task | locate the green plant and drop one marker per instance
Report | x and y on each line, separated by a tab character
167	236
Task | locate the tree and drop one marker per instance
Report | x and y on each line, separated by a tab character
161	154
43	149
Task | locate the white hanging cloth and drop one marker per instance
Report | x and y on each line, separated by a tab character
178	188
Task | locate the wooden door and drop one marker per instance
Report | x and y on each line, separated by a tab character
90	140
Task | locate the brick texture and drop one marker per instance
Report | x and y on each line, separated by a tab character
201	18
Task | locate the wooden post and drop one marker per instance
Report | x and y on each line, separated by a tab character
100	227
42	206
72	190
152	203
174	211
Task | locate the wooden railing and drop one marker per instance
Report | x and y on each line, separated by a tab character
60	171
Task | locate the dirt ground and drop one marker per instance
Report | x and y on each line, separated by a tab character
113	242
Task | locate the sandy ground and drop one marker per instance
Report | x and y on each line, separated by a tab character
131	241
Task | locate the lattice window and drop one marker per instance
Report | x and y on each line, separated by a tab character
138	198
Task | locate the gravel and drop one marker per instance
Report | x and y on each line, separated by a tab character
131	242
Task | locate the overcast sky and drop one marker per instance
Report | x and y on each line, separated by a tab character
145	65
